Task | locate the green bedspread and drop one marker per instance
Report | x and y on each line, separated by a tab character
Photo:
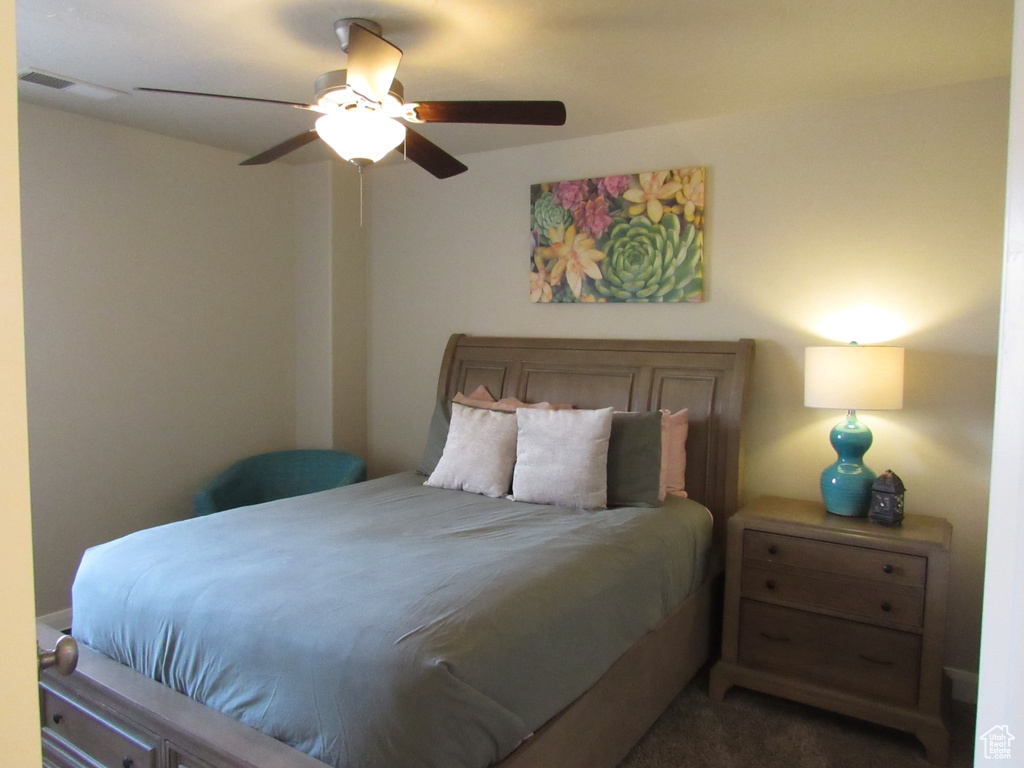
386	624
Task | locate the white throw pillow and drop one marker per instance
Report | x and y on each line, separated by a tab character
562	457
479	453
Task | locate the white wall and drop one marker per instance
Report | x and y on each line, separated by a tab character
19	714
1002	647
160	326
331	308
350	304
893	200
314	236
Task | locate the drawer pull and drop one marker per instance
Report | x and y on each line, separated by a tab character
886	607
773	550
777	638
770	583
883	662
57	718
887	568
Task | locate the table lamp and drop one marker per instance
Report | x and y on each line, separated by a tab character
851	378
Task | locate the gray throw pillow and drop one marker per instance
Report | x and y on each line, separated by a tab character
436	437
634	460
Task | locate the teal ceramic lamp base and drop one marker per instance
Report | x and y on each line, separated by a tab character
846	484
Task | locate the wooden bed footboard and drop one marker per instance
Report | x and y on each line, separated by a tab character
106	714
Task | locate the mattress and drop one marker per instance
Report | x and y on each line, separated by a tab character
387	623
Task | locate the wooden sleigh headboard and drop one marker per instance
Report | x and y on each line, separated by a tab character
706	377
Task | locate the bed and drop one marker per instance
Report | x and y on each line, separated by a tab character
110	713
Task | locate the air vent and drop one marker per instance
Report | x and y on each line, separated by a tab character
49	81
67	85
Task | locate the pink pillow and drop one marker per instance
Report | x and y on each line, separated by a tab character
674	428
481	394
482	398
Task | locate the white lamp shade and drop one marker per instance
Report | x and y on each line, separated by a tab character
853	378
361	134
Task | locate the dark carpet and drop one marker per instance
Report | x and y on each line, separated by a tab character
754	730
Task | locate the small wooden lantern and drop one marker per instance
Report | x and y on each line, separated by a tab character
887	499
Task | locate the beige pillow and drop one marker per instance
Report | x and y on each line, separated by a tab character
674	430
562	457
479	453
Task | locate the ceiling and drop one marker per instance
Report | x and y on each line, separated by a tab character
617	64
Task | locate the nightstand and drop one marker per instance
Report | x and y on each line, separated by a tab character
840	613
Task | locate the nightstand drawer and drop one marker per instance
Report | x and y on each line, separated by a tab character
878	602
107	743
833	652
859	562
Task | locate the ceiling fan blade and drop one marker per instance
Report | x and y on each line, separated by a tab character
430	157
224	96
504	112
282	149
372	63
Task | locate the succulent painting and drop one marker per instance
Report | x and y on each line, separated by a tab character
627	238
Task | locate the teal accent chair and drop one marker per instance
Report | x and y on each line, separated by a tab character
278	475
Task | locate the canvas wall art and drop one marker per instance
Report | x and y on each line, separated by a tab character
626	238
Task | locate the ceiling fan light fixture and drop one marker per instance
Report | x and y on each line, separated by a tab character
360	134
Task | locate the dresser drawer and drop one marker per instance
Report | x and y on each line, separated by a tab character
180	758
859	562
107	742
834	652
56	755
878	602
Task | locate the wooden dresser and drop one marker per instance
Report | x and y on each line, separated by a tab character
840	613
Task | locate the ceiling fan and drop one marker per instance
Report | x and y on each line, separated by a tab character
361	108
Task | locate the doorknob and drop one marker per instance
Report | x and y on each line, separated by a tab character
64	656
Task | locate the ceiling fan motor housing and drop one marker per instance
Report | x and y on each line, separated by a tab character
333	86
342	26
